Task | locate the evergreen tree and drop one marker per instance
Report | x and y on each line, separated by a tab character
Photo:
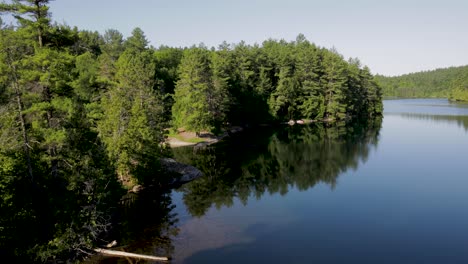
434	83
113	43
89	41
112	48
283	100
53	170
132	124
218	96
137	41
167	61
460	87
334	84
36	10
86	83
373	93
308	72
199	96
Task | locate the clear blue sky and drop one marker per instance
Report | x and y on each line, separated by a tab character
391	36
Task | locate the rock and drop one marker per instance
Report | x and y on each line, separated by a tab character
188	173
137	188
202	145
235	129
112	244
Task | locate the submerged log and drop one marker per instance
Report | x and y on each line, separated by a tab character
115	253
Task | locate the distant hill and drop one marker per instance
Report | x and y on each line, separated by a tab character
448	82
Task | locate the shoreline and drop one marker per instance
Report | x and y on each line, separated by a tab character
205	141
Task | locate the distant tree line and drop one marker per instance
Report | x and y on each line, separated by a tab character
449	83
83	114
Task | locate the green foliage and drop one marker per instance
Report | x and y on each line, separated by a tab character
460	87
283	101
334	82
137	41
277	81
113	43
86	84
33	15
132	123
54	173
60	36
167	62
200	93
445	82
89	41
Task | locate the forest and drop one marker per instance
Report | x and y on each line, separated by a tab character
449	83
84	116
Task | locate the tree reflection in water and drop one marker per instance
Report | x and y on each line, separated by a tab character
273	160
247	165
146	224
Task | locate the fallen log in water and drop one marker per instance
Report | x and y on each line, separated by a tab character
129	255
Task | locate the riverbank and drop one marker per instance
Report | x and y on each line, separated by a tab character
184	138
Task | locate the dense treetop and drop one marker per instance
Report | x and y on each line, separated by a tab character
276	81
448	82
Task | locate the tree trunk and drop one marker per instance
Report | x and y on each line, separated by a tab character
38	17
19	102
130	255
52	150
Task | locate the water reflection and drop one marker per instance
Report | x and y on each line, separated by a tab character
460	120
267	160
425	106
146	224
273	161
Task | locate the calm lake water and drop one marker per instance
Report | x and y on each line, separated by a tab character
390	191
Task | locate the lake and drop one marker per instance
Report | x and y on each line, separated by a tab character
393	190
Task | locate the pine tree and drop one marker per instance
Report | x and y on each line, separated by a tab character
167	60
308	72
334	83
284	99
53	169
86	84
132	124
199	96
137	41
36	10
218	96
373	92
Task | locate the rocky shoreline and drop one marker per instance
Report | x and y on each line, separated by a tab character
207	140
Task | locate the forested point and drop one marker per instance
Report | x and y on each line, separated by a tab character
277	81
449	83
84	115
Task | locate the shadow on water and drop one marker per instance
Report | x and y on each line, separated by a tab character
273	161
145	225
